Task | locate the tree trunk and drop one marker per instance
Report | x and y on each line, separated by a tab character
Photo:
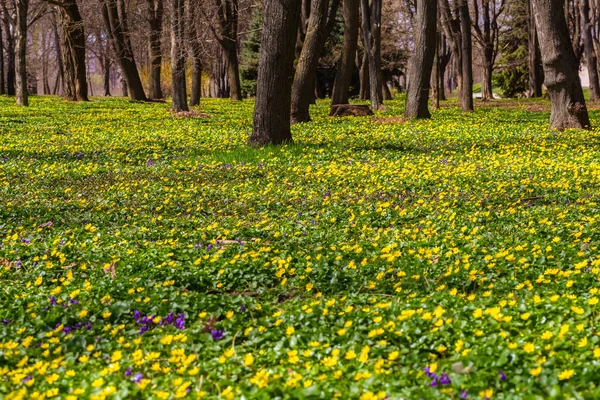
590	53
2	90
535	62
561	75
435	75
155	9
486	82
114	15
275	73
303	87
10	52
73	47
422	60
124	89
106	68
196	91
195	53
178	55
371	29
21	50
233	69
466	89
343	77
365	87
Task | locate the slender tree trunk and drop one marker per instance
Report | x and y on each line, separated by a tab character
365	86
233	69
343	77
114	15
195	53
10	52
155	9
466	89
106	69
422	60
196	91
590	53
371	29
435	75
303	87
486	84
178	55
535	62
21	64
2	90
275	73
560	67
124	88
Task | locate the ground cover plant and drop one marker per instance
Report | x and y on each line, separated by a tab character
150	256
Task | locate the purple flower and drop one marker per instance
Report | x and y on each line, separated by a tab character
137	315
27	379
464	394
150	163
433	383
180	322
217	334
243	308
53	301
502	375
429	373
74	302
137	378
445	379
128	371
6	321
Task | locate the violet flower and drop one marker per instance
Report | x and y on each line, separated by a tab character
217	334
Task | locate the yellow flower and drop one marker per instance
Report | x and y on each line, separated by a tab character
525	316
248	359
566	374
116	356
535	371
84	358
477	313
593	301
547	335
351	355
597	352
583	342
290	330
330	361
393	355
98	382
529	348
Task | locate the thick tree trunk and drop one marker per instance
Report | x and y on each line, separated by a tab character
590	53
275	73
114	15
178	55
196	91
155	21
303	87
106	70
371	29
74	52
124	89
21	50
422	60
561	75
195	53
343	77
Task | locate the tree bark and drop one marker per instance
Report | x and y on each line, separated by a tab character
10	51
422	61
275	73
21	7
561	75
435	75
196	55
73	47
590	53
2	88
106	70
178	55
466	90
303	87
115	20
371	30
535	62
365	87
155	21
233	69
343	77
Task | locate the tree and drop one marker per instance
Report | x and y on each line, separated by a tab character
2	90
9	23
320	24
195	53
371	30
225	31
422	60
466	89
590	53
155	21
73	45
487	37
560	67
275	73
341	88
21	8
536	74
178	55
115	20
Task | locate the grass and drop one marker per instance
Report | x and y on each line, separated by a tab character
147	256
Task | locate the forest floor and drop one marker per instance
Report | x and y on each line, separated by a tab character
148	256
